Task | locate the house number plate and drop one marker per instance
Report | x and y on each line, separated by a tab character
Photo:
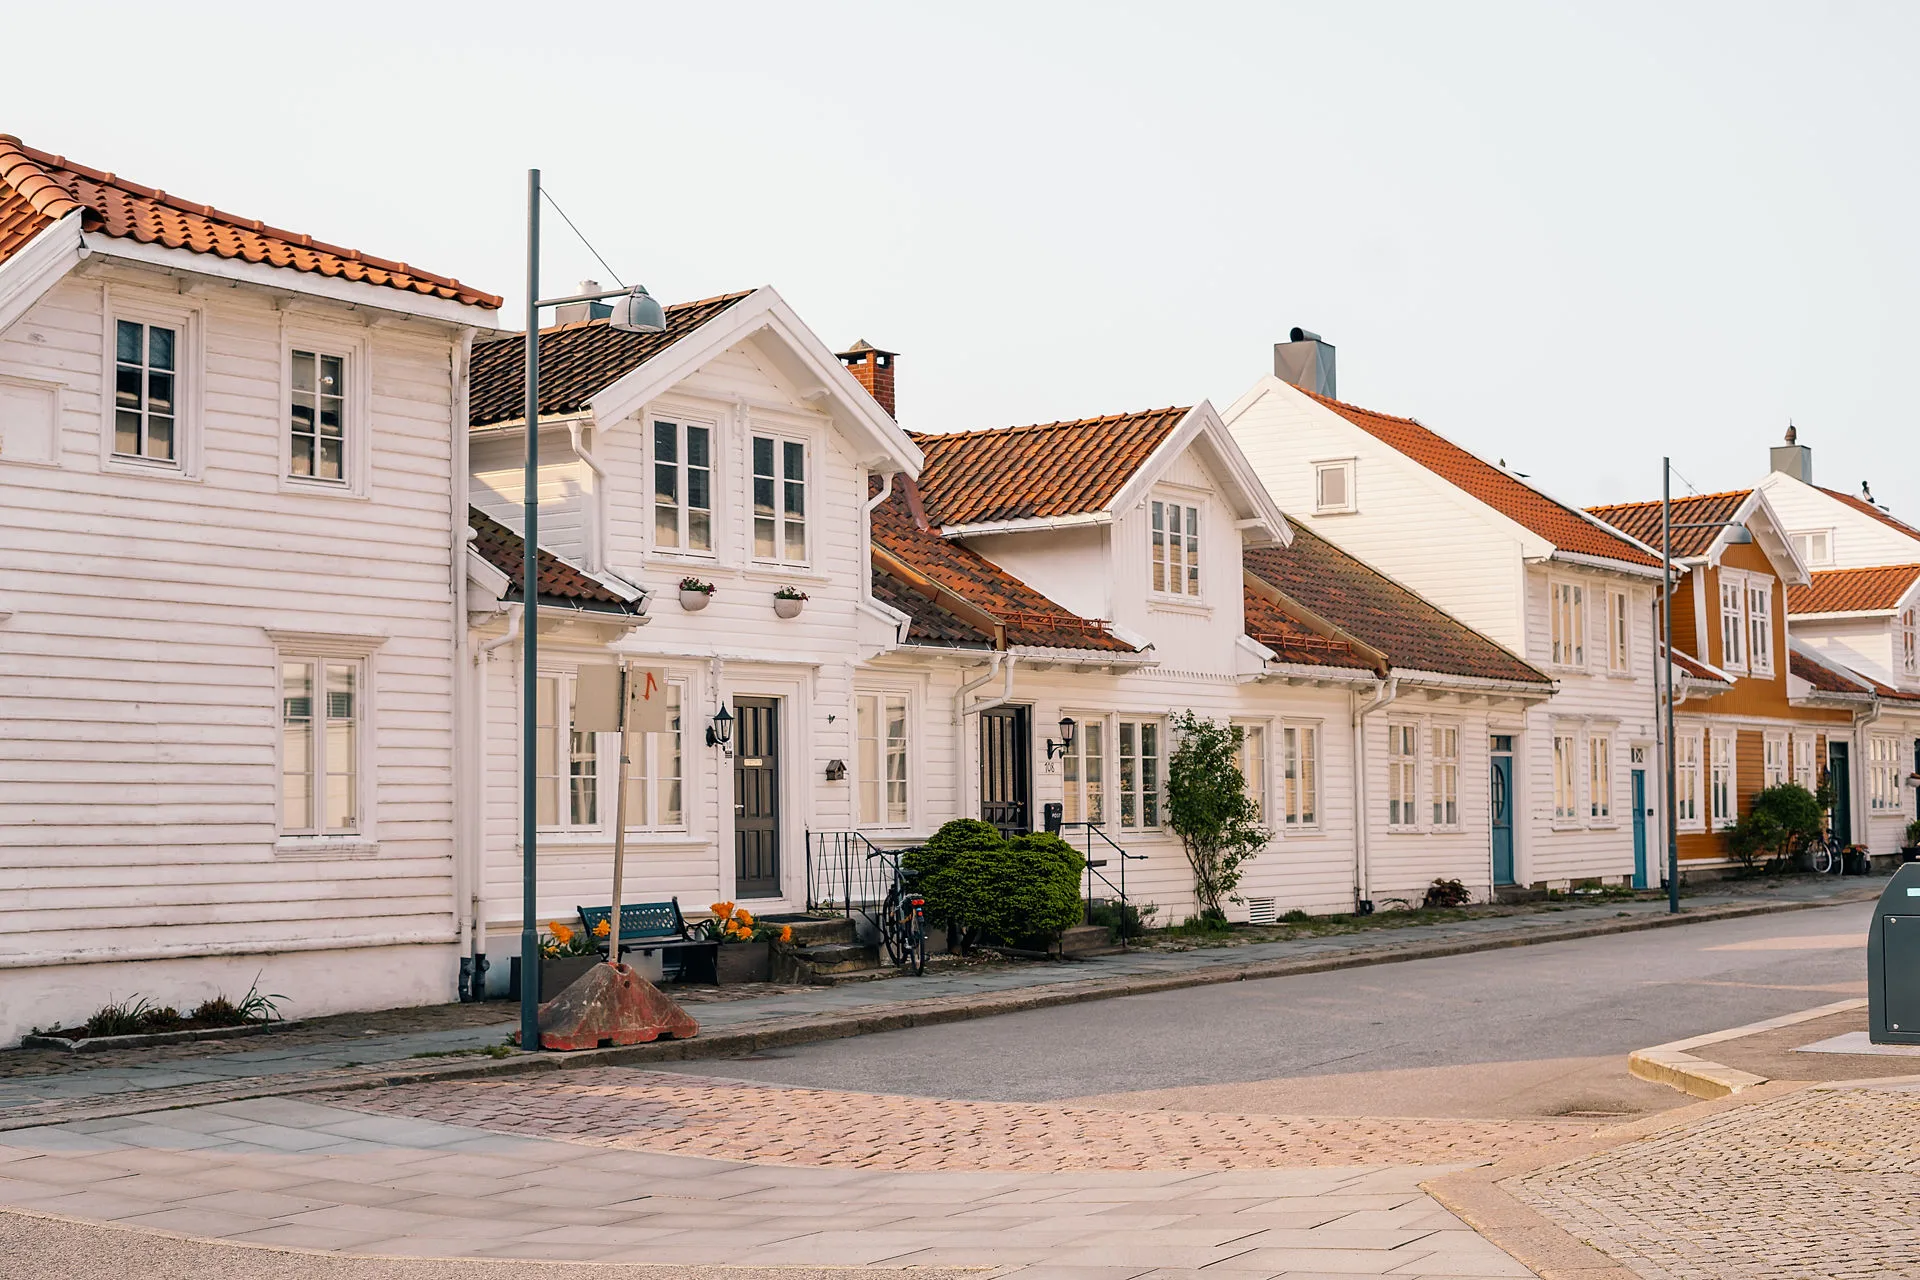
752	762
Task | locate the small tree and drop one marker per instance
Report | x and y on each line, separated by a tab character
990	888
1782	823
1209	809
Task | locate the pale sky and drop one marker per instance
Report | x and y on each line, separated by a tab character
1572	236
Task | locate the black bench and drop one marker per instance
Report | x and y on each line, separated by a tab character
646	927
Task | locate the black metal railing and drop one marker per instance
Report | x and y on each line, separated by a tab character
1096	840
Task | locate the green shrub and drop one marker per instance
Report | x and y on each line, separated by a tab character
1783	821
1126	920
1447	893
990	888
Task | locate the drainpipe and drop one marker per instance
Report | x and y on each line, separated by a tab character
1385	691
866	542
961	708
595	560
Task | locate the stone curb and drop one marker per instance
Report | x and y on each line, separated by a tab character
1672	1064
898	1016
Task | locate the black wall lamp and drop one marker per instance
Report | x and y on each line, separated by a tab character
1060	747
720	732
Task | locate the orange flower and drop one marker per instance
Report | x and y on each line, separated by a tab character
786	933
744	917
723	910
602	929
561	934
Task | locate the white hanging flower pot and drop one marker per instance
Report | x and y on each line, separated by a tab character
695	595
787	602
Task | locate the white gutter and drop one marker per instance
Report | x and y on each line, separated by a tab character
1026	525
962	708
594	558
1384	693
514	613
1610	565
866	555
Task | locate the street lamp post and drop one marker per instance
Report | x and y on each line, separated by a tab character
1737	534
637	312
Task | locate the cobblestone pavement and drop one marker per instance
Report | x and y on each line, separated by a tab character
297	1174
674	1113
1820	1184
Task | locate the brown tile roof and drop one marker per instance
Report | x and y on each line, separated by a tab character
1867	508
1039	472
558	582
929	622
1566	528
1379	612
1826	678
37	189
1642	519
1876	590
577	361
1027	617
1293	641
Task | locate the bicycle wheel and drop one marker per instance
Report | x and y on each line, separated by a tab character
917	942
1824	859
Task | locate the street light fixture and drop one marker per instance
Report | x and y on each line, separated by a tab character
636	312
1737	535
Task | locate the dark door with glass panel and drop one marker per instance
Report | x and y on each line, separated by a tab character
756	798
1005	765
1501	798
1841	774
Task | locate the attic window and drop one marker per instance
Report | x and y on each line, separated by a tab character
1814	547
1333	486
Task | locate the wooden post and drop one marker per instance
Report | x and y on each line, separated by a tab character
619	826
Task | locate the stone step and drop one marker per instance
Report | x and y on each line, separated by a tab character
838	957
809	931
854	975
1513	894
1087	940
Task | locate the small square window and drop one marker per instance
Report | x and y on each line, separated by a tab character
1333	486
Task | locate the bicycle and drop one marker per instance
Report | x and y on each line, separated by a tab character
1829	856
903	926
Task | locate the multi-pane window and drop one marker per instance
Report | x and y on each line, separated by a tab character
779	500
1773	760
1883	774
1760	625
655	799
317	416
145	391
1139	773
319	746
1566	802
1299	775
1619	633
566	761
682	486
1445	751
1686	778
1085	797
1814	547
1908	642
1252	753
1176	548
880	732
1568	606
1804	774
1720	783
1599	777
1733	626
1403	756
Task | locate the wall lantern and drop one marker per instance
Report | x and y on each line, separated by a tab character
720	732
1060	747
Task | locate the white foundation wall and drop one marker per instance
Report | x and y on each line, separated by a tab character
140	687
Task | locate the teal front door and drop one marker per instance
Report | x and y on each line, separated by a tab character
1639	828
1501	795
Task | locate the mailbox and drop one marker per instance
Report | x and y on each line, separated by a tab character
1893	961
1051	815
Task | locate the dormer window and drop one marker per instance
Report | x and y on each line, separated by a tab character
1176	549
1814	547
1333	487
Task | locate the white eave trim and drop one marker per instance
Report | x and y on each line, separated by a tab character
1850	616
33	270
1028	524
1490	684
1253	505
1610	565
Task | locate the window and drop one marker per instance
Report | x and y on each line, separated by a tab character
317	416
1721	787
1773	760
682	486
779	500
1760	625
1733	624
1565	802
1803	757
655	799
1253	765
1299	752
1814	547
1403	748
1883	774
1569	624
1686	779
1619	633
880	758
1176	549
1446	775
1908	642
320	735
566	762
146	391
1085	798
1600	777
1333	486
1139	773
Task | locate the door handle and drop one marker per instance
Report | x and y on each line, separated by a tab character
740	806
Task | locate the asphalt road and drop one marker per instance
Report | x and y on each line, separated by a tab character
1527	1030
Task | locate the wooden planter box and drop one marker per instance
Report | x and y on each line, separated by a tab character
739	962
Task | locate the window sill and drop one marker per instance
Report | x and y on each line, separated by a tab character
322	488
763	571
1603	824
1404	831
125	466
1336	511
1178	604
1566	824
325	848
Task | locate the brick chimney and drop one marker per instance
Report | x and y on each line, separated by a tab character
873	369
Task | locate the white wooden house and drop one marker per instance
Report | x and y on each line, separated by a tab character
230	605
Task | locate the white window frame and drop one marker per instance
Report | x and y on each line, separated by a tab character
1346	469
809	514
1687	780
682	508
1255	754
1760	625
644	777
1403	775
1733	622
1131	769
1178	554
1906	643
1567	624
1298	743
1619	633
1723	778
1776	761
1600	798
1443	753
1566	788
1084	797
357	432
189	389
877	775
320	649
566	754
1883	774
1804	748
1804	543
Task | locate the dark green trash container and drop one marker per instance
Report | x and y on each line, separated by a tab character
1893	961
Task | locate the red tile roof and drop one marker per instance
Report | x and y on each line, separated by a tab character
1567	529
1828	675
1698	670
1867	508
1642	519
1380	613
577	361
37	189
1027	617
558	582
1040	472
1876	590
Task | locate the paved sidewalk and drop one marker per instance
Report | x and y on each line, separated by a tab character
794	1015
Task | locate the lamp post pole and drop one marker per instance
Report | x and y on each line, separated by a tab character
1666	653
529	642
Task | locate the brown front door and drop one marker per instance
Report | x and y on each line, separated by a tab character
756	798
1005	768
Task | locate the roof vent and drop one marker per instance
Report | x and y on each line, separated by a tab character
1306	361
1792	458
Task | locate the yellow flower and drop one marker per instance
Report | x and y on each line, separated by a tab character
602	929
